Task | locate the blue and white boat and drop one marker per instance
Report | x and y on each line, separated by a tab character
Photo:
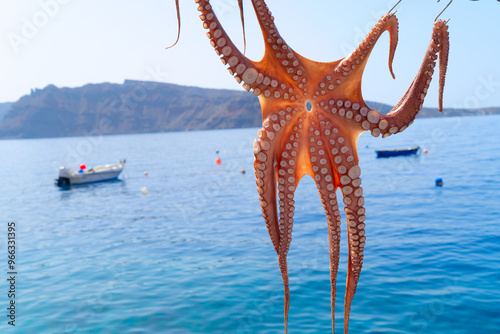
397	152
70	176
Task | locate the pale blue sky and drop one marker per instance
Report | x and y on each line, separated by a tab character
93	41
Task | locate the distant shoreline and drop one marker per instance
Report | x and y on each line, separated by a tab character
145	107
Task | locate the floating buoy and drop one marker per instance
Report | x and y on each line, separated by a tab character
144	191
426	151
82	166
216	151
439	182
218	161
243	171
145	173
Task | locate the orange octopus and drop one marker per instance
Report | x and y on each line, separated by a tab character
313	114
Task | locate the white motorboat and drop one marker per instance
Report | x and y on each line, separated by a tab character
69	176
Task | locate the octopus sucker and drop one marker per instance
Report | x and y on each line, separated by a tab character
312	115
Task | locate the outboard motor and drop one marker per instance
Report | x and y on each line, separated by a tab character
64	177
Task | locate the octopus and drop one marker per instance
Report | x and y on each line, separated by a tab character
312	116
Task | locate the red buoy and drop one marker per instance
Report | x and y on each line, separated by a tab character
426	151
218	161
82	166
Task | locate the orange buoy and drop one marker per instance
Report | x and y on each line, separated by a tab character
426	151
218	161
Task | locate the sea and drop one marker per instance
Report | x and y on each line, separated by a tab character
179	245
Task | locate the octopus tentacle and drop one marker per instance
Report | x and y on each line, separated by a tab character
177	9
242	17
284	276
348	179
258	76
349	111
273	39
322	166
278	52
353	65
278	58
329	200
266	183
223	45
355	211
288	179
359	58
286	186
239	66
267	26
404	113
444	50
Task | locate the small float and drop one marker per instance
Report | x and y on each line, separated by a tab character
397	152
69	176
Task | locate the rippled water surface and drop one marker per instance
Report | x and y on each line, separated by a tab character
194	256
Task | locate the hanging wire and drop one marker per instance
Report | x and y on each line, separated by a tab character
394	7
448	5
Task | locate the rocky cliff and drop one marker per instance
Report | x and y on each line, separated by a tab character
141	107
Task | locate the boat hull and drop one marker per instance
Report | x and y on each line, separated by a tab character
95	177
397	153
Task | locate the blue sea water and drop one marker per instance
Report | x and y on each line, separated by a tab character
194	256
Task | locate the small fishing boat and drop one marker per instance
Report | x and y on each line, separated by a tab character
397	152
69	176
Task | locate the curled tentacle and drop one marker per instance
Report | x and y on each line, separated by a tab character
242	17
359	57
345	75
177	8
404	113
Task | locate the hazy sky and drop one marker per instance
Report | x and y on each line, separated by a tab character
70	43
